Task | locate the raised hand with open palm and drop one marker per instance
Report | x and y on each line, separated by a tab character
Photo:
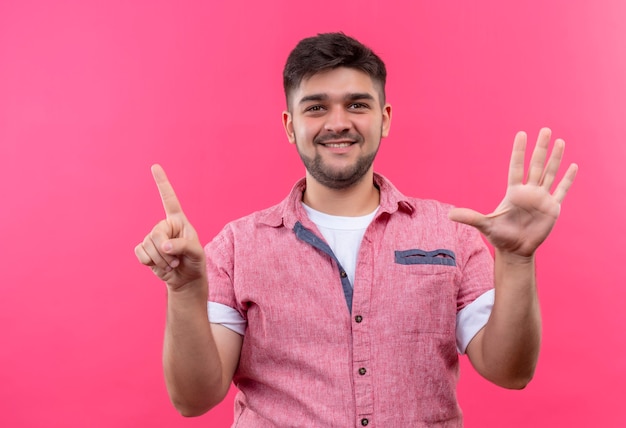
529	210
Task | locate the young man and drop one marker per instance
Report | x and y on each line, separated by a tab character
347	303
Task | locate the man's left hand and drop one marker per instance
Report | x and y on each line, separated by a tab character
528	212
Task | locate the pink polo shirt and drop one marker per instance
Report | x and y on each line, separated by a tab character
318	351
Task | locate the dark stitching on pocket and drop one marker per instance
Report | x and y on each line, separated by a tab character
421	257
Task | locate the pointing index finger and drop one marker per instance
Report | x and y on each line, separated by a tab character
168	196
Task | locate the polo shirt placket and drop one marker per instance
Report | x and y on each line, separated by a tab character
361	334
363	388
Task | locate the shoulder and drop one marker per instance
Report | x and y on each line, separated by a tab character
268	216
392	199
429	206
430	214
257	225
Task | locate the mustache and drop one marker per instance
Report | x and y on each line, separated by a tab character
322	139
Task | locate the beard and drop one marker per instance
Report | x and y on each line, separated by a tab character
333	178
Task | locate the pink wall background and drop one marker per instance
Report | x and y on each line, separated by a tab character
93	93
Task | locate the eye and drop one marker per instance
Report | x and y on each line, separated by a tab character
358	106
314	108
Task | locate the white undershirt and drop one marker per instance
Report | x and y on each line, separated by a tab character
344	235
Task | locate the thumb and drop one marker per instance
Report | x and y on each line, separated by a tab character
179	247
467	216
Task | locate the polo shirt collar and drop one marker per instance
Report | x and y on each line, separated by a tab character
290	210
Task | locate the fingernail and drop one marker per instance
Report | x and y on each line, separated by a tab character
174	263
167	247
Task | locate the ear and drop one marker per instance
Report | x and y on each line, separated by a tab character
288	125
386	120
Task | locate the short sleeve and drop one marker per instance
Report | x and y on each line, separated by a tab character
476	284
472	318
226	316
475	266
220	270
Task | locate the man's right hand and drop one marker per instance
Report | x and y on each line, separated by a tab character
172	249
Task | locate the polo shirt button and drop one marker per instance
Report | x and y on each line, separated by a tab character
364	422
343	274
358	318
362	371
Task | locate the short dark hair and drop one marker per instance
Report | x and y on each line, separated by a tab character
327	51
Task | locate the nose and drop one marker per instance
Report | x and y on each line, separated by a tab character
338	120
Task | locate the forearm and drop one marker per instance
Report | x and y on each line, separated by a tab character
510	342
191	362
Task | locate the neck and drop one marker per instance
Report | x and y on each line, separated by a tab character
359	199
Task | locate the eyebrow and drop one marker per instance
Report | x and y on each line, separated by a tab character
349	97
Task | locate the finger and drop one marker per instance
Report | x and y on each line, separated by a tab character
182	247
149	257
566	182
142	256
516	166
538	158
468	216
553	164
160	273
168	196
159	257
163	249
160	240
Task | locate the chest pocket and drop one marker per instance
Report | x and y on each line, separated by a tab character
421	257
429	289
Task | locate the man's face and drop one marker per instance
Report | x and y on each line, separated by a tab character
336	122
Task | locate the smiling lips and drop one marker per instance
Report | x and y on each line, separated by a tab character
338	140
337	145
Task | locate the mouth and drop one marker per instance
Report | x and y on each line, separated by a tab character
338	145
